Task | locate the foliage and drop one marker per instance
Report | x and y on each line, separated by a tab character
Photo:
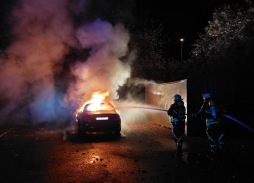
228	25
224	55
226	41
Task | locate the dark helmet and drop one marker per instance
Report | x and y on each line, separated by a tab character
207	96
177	98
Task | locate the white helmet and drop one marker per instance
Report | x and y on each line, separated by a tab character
177	98
207	96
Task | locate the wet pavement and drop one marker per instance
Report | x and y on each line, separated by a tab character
145	152
234	164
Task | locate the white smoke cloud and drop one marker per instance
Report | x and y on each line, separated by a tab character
31	76
103	70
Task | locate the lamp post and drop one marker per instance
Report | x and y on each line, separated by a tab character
181	42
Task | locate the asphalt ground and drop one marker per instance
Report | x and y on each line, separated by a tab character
154	149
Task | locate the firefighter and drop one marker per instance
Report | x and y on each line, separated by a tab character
176	112
214	126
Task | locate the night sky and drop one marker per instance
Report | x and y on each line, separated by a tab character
182	19
179	18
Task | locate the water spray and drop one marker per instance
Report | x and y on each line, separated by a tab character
164	110
142	107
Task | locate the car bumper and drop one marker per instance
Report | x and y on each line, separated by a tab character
98	127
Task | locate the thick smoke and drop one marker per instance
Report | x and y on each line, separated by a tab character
102	71
39	83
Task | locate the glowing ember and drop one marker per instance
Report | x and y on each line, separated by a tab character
95	103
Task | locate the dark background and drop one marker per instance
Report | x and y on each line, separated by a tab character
179	19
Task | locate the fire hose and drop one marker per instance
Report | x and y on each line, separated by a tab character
225	115
239	122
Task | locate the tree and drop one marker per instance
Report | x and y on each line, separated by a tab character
225	41
224	54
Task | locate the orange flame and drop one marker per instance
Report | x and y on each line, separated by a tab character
95	101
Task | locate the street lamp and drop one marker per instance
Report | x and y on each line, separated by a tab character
181	41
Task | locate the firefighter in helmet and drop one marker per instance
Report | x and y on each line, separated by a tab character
176	112
214	126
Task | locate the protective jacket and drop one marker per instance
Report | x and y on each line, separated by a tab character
210	112
177	111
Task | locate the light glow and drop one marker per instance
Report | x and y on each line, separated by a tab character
102	118
95	103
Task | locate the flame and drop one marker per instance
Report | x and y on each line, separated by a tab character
95	102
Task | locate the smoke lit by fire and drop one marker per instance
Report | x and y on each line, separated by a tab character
54	62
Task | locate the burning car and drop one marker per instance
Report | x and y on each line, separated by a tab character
98	115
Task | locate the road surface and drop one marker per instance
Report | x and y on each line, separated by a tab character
145	152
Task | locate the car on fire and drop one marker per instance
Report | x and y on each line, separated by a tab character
103	119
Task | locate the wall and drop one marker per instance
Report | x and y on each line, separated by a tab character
161	96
